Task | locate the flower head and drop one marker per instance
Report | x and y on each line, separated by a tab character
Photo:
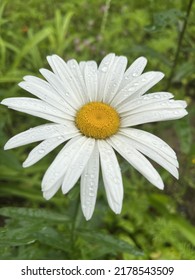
93	110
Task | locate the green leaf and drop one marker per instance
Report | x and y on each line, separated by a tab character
184	228
111	243
49	236
184	133
184	70
32	42
38	214
8	159
166	18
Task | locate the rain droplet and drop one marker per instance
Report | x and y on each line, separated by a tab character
135	74
41	151
91	194
67	94
104	69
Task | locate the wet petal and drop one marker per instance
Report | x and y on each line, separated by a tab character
90	74
61	163
137	87
46	147
136	159
77	164
37	133
151	151
111	176
134	70
89	184
37	108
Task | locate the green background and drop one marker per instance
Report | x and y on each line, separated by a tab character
153	224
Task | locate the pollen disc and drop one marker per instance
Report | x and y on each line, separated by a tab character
97	120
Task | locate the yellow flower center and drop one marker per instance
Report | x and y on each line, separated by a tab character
97	120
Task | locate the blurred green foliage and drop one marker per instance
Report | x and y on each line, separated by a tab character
154	224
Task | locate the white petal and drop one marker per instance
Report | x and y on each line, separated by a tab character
103	73
153	116
47	94
135	70
151	98
90	74
38	133
157	106
79	79
150	140
50	193
77	164
159	156
82	66
63	89
89	184
137	87
136	159
70	82
45	116
61	163
46	147
114	78
25	104
111	176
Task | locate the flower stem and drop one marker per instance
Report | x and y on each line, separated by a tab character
74	222
181	36
105	17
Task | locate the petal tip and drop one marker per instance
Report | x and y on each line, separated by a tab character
7	146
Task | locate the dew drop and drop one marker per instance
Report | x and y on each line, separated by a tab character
104	69
134	74
91	194
67	94
131	89
41	151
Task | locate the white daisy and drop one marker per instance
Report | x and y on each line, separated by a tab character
93	110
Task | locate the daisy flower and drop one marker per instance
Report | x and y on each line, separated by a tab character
93	111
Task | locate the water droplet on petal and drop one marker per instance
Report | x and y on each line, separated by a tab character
41	151
104	69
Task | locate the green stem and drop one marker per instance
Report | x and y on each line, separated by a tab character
181	36
105	16
73	234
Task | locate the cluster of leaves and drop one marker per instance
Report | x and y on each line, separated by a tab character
153	224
